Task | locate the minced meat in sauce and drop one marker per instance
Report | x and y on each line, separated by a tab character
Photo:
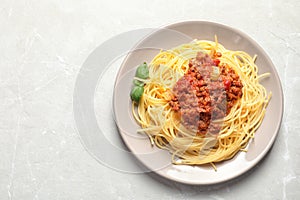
200	99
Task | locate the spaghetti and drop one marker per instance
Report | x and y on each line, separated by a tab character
160	110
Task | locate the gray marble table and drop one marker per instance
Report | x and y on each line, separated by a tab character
43	45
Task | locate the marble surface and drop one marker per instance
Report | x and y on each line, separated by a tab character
43	45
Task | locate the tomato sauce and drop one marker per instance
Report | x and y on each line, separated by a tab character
205	93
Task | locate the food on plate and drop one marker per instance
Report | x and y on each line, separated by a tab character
200	101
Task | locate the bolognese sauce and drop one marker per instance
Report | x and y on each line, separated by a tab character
207	91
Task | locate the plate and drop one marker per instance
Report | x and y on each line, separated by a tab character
159	161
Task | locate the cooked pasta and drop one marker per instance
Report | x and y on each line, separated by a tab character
193	134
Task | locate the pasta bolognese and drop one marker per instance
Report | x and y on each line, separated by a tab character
200	101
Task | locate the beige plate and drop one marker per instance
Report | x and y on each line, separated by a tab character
159	160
